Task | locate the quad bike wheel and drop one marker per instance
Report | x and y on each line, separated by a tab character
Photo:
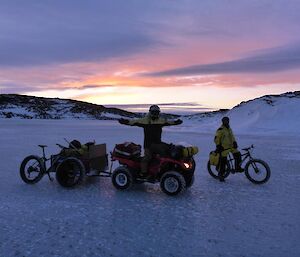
31	169
189	181
172	183
70	172
122	178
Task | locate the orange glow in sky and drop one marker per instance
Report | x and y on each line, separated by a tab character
202	52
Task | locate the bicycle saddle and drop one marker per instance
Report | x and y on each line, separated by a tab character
42	146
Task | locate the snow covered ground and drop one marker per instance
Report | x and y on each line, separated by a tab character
235	218
263	115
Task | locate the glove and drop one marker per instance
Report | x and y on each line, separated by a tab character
235	145
123	121
177	122
219	149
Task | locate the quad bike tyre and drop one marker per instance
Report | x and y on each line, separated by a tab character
172	183
70	172
122	178
189	181
31	164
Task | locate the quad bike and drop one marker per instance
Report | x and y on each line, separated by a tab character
173	174
257	171
70	165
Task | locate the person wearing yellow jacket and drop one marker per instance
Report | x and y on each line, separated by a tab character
152	124
225	144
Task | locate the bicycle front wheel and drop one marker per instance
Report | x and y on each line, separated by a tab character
257	171
31	170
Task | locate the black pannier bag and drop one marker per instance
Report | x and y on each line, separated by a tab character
128	150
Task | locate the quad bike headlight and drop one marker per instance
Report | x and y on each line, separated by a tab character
186	165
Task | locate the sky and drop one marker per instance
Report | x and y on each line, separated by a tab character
197	55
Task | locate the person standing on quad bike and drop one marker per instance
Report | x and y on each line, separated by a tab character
225	144
152	125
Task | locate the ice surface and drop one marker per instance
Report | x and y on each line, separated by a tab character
235	218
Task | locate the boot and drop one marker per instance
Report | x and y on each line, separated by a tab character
238	160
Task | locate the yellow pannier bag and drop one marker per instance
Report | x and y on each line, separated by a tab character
214	158
189	151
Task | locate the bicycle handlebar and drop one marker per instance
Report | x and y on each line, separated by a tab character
60	146
248	148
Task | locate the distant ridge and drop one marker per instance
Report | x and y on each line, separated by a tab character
270	112
33	107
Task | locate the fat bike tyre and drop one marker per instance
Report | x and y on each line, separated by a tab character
70	172
212	170
122	178
257	166
31	164
172	183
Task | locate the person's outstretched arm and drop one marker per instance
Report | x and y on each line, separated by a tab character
172	122
134	122
124	121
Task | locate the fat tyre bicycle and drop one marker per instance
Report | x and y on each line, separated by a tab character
256	170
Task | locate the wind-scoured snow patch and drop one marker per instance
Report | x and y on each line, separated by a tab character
272	114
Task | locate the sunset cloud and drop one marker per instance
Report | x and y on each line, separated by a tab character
129	51
269	60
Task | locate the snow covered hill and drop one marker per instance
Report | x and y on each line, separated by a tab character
267	114
30	107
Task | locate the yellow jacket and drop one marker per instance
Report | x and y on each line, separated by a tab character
142	122
224	137
152	128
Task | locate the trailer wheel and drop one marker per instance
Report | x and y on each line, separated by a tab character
70	172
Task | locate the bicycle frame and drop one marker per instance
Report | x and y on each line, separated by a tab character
44	161
230	159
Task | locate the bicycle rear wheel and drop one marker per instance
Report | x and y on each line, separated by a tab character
257	171
31	169
212	170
